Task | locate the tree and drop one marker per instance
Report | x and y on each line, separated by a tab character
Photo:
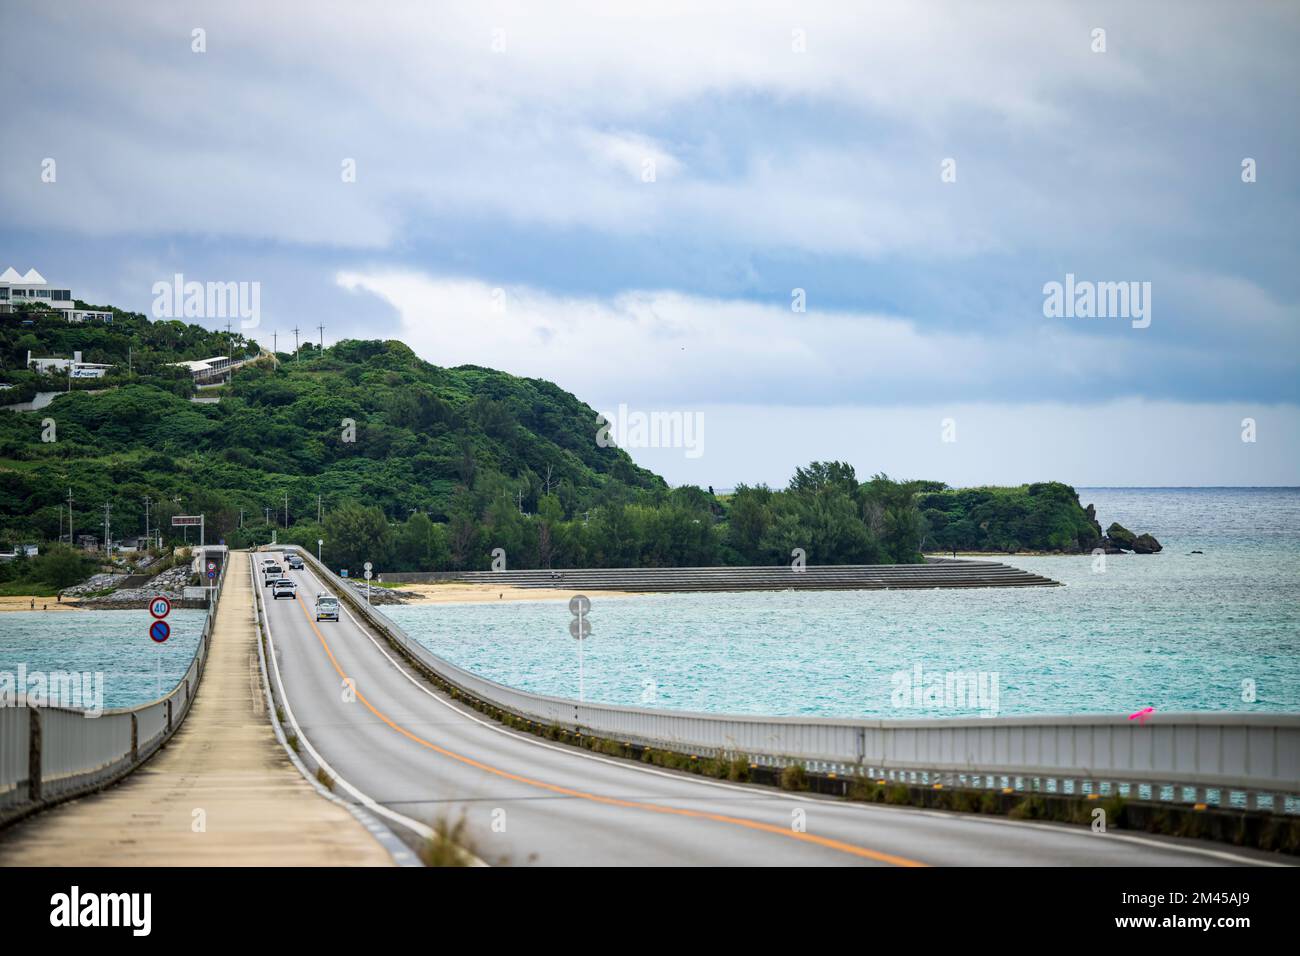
355	534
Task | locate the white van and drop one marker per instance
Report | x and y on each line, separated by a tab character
327	607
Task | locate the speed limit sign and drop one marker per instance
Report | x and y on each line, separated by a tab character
160	607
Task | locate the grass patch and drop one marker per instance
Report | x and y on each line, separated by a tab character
794	777
449	844
27	589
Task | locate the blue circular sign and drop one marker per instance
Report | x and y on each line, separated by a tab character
160	631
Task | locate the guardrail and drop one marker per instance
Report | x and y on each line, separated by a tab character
50	754
1249	761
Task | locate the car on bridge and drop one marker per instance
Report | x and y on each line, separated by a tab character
295	562
271	573
283	587
327	607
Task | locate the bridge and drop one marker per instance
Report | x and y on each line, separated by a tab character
407	745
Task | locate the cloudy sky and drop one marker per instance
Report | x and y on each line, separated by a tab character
633	206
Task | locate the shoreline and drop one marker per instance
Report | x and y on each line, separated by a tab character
456	592
23	602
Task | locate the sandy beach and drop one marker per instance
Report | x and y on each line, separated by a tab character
460	593
24	603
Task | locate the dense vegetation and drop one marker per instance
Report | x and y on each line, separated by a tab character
1041	517
57	566
391	459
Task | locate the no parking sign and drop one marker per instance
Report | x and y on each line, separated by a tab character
159	631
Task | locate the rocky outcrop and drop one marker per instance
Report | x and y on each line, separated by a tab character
1088	541
1146	544
1119	538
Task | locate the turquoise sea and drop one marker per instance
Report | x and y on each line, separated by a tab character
1175	631
114	643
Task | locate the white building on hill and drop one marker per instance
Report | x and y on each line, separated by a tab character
32	287
73	367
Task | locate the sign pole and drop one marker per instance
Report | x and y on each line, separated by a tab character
159	631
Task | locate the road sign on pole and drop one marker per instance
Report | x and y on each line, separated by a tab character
580	628
160	607
159	631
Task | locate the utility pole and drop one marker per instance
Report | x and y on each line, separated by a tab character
296	356
241	518
128	371
71	541
268	516
286	511
318	509
146	517
322	337
108	540
519	497
275	337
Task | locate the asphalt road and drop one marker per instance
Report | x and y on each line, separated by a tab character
524	800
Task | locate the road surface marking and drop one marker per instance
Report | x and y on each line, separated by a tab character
827	842
868	808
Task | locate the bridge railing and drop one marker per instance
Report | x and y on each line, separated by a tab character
49	754
1228	759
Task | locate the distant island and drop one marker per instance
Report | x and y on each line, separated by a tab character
391	459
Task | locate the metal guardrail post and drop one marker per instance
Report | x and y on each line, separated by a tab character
34	754
135	738
169	715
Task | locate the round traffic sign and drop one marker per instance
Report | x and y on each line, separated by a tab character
580	632
212	565
319	542
160	631
212	572
369	566
160	607
368	575
579	604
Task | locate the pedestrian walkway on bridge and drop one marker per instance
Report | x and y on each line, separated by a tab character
224	761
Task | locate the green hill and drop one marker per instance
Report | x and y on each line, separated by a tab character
414	466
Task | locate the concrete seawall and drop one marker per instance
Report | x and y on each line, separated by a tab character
935	573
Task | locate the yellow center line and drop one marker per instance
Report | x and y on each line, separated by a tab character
827	842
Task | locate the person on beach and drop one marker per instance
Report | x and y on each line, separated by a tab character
33	604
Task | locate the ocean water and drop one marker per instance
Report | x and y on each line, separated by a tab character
113	643
1218	631
1175	631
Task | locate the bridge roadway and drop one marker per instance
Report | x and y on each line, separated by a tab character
257	810
525	800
